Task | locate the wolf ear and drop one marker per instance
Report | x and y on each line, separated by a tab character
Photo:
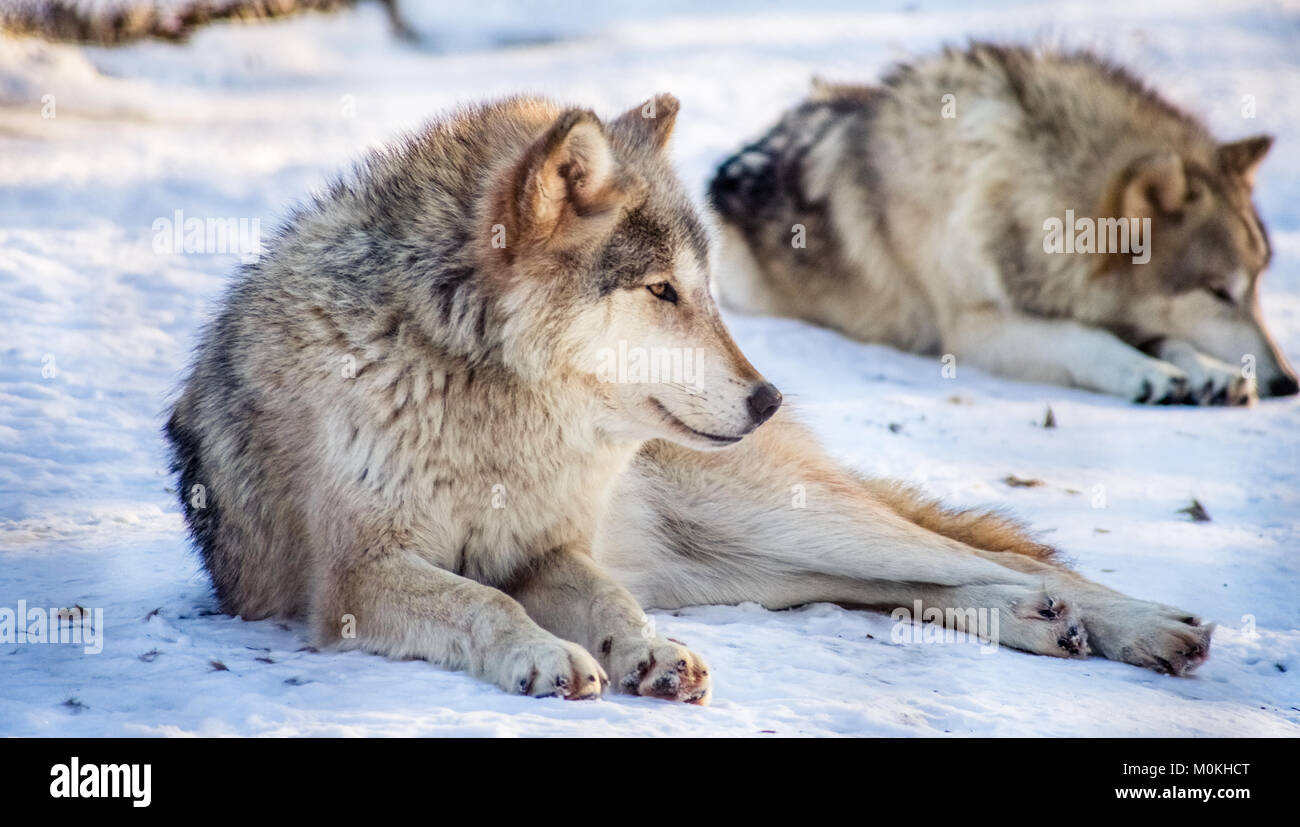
824	91
652	121
1242	158
568	171
1155	184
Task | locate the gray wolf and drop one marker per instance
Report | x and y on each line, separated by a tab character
939	211
403	426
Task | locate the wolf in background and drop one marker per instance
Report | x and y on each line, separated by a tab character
922	207
400	435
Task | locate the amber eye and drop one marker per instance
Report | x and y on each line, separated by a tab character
663	291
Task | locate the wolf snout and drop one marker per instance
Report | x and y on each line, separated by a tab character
764	402
1278	386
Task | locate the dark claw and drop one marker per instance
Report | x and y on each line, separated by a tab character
1146	392
1177	394
1070	642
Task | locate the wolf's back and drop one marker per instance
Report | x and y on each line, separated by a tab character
846	211
766	178
258	415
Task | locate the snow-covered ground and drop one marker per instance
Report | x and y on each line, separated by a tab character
95	329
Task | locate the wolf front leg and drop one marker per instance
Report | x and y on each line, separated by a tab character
570	595
400	605
1062	352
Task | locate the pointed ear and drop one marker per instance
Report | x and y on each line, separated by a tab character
1242	158
1153	185
824	91
652	122
567	172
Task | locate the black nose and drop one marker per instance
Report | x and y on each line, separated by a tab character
1277	386
763	402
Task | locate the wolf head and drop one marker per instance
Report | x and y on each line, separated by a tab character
604	273
1208	248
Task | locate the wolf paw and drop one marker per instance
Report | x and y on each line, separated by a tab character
1210	381
657	668
1045	624
1218	383
1159	383
552	668
1151	635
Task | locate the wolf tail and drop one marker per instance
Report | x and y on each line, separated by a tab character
978	528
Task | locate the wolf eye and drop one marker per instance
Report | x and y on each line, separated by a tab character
663	291
1222	295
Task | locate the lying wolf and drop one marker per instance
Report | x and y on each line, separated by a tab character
420	423
1043	216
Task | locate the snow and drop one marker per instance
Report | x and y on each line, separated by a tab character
244	120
